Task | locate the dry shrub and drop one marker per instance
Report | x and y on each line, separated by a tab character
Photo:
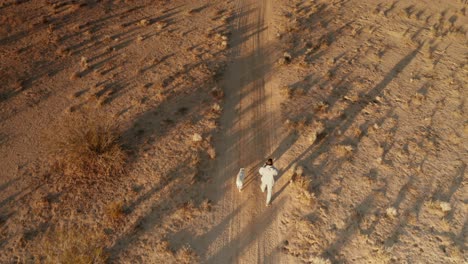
84	63
445	225
298	126
319	260
186	255
217	93
161	24
438	207
90	148
302	184
205	206
163	248
164	254
224	44
445	207
287	91
75	75
286	59
321	107
115	211
342	151
391	212
196	137
216	108
186	212
73	246
144	22
211	152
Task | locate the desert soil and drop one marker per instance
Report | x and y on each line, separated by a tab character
362	105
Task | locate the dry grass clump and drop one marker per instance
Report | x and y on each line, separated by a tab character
75	76
341	151
90	148
224	44
84	63
217	93
314	131
164	254
63	51
302	183
319	260
311	130
297	125
290	92
211	152
381	255
116	211
205	206
73	246
203	144
163	248
196	138
287	92
160	25
186	255
391	212
216	108
286	59
445	207
144	22
438	207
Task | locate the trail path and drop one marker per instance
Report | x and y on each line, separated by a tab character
245	230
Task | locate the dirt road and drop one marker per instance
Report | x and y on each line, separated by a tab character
246	231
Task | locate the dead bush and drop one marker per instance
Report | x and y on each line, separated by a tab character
164	254
89	148
211	152
206	205
302	184
298	126
73	246
319	260
287	91
186	255
144	22
116	211
217	93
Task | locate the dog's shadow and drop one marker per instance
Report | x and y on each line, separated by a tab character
252	175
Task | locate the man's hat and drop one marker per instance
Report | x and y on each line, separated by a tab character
269	161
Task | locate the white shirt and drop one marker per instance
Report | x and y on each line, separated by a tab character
268	173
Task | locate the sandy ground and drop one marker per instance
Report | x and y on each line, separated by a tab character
377	110
361	103
150	66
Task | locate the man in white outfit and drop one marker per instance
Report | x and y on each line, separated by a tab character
268	173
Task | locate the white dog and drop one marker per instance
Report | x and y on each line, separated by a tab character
240	179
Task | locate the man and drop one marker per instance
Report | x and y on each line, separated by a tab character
268	173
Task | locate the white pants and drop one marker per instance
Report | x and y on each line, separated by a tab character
269	190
